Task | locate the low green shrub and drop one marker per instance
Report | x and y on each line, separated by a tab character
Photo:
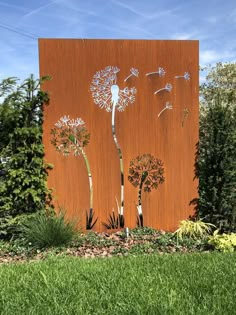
143	231
223	242
10	226
169	242
15	248
143	248
47	231
96	240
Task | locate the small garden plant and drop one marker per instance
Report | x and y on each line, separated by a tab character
194	229
44	231
223	242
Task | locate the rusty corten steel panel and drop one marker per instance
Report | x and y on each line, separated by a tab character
171	137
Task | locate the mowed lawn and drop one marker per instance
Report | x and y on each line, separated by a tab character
153	284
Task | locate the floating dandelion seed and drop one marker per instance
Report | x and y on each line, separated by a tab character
70	136
185	115
168	88
146	173
186	76
161	72
167	106
134	72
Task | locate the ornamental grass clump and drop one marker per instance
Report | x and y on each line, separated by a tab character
193	229
47	231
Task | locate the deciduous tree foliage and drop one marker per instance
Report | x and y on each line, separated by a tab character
23	172
217	147
220	81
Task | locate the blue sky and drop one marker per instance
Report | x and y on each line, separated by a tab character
212	22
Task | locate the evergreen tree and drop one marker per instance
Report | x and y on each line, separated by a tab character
217	162
23	172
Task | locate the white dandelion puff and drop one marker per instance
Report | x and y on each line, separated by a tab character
106	92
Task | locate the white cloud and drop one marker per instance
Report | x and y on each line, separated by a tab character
183	36
212	56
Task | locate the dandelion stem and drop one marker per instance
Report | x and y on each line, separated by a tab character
161	111
89	176
160	90
121	159
155	72
139	206
128	77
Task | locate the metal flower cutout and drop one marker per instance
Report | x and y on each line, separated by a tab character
146	173
106	92
168	88
134	72
185	115
70	136
167	106
161	72
186	76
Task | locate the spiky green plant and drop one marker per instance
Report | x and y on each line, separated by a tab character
90	222
114	221
47	231
193	229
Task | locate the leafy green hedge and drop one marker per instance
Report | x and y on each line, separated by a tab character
23	172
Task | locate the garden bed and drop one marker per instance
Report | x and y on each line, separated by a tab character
140	241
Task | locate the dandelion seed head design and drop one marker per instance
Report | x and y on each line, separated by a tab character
168	87
168	105
186	76
134	72
148	169
69	136
161	72
106	92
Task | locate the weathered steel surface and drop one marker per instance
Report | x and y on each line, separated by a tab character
72	65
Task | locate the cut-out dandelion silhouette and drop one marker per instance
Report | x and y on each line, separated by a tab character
167	106
161	72
70	136
167	87
107	94
186	76
185	115
133	72
146	173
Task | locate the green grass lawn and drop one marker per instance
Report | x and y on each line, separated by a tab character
153	284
